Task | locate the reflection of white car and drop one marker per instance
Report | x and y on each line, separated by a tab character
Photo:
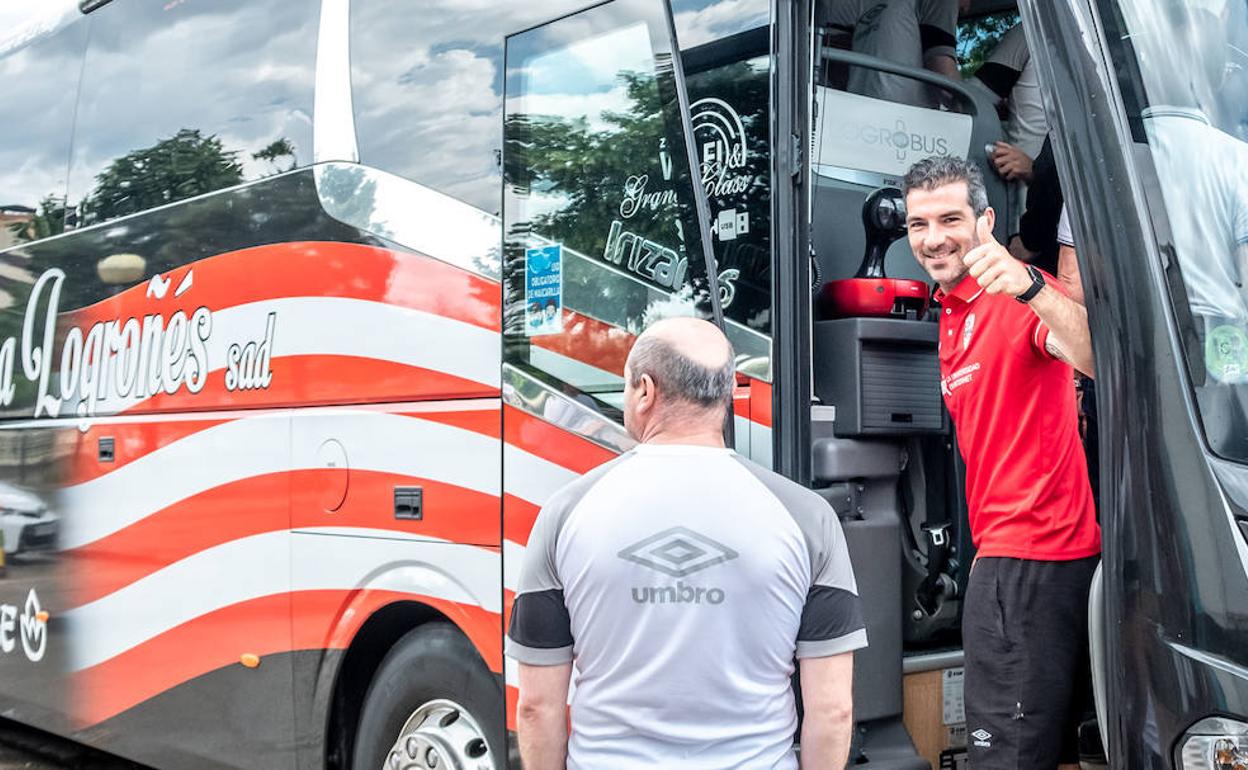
26	524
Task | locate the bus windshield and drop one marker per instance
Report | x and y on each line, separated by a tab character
1183	70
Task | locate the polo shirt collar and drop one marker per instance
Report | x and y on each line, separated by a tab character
966	292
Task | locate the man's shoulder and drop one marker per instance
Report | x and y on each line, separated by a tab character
801	502
569	495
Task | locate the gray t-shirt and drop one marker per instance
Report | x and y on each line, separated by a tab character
683	581
908	32
1011	74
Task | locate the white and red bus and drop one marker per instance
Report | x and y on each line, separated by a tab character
307	307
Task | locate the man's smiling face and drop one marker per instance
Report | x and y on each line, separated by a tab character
941	227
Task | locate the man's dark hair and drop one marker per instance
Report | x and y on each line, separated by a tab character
679	376
940	170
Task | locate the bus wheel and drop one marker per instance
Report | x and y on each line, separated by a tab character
432	704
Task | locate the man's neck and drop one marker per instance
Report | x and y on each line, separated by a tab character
685	429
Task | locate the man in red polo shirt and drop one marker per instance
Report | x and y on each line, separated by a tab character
1008	342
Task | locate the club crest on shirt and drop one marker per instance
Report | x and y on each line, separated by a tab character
967	330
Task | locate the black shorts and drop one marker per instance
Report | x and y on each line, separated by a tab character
1025	632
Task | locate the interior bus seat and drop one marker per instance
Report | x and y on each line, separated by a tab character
861	143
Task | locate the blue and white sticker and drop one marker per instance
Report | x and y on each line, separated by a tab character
543	290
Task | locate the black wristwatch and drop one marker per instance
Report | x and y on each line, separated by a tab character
1037	283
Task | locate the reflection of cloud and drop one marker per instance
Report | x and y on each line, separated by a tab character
230	68
719	19
573	106
587	64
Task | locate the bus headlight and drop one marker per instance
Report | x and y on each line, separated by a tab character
1216	744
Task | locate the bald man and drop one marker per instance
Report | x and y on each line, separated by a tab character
683	581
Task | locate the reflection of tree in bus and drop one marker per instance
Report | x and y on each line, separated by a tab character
281	148
593	171
48	220
183	166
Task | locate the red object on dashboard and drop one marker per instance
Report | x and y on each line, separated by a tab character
882	297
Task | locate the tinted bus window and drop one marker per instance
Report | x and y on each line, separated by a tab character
1181	67
183	98
427	87
40	84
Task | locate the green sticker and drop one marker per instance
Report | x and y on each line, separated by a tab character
1226	353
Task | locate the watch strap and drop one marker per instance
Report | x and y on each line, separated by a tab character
1037	283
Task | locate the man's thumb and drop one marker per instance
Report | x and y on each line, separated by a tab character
983	230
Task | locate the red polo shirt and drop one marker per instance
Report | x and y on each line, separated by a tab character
1014	408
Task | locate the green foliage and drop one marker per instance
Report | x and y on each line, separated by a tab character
183	166
281	148
977	38
48	220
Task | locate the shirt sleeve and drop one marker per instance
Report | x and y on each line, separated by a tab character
938	27
832	620
1064	235
540	632
1001	70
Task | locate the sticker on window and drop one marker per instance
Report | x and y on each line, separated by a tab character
543	290
1226	353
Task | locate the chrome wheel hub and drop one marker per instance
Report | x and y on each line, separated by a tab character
440	735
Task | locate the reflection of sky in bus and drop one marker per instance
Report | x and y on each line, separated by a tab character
583	79
427	80
432	112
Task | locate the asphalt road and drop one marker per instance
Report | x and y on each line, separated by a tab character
22	748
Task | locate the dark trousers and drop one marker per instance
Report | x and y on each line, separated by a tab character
1025	633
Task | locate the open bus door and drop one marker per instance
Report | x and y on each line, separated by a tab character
1150	102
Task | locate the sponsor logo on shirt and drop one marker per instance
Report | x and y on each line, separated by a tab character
961	377
678	552
983	738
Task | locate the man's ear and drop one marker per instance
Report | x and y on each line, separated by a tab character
991	216
646	393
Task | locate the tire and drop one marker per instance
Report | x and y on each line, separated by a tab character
434	689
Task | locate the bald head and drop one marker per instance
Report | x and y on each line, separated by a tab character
688	359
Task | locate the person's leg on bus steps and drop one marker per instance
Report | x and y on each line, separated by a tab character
1025	633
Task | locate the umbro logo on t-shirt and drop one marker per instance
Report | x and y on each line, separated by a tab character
678	552
983	738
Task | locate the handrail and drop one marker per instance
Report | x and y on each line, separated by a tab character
855	59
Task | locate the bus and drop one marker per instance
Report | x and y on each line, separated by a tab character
309	306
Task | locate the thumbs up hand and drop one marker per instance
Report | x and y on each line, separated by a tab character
992	266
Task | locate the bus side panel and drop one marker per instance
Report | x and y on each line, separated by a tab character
166	562
355	553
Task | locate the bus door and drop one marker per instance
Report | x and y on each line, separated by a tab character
1150	102
601	236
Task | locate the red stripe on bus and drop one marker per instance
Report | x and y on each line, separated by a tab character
131	441
545	440
259	627
271	503
589	341
313	269
319	380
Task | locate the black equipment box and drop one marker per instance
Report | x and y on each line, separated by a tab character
881	374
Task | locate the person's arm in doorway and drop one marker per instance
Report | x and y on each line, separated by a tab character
998	272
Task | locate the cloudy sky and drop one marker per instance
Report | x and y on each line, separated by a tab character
426	76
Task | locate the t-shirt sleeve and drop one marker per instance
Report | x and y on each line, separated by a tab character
832	620
938	28
540	633
1064	235
1001	70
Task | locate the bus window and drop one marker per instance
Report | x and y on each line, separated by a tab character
600	229
181	99
41	78
729	88
1187	95
427	90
